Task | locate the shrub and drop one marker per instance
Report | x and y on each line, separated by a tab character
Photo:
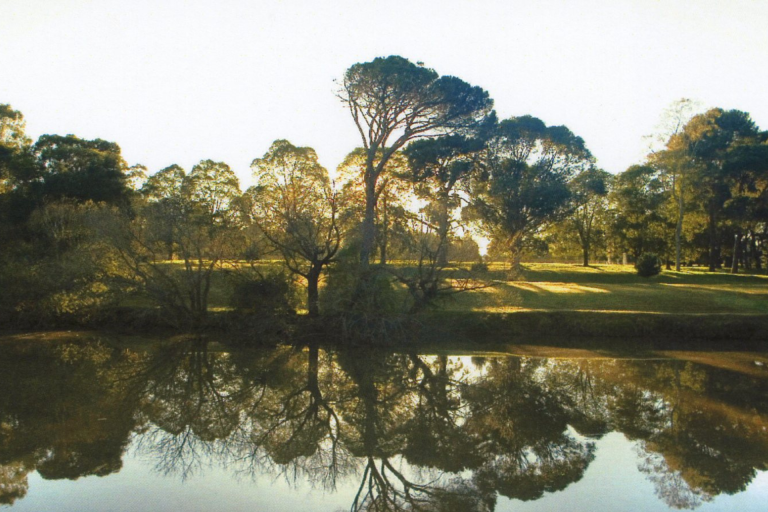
648	265
264	295
479	266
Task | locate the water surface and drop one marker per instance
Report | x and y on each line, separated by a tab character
190	425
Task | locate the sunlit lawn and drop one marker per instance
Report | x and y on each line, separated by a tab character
566	287
546	286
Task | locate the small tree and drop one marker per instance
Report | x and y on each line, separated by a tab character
589	192
640	222
648	265
296	207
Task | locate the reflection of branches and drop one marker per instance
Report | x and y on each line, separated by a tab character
380	492
669	485
182	453
297	432
385	489
193	397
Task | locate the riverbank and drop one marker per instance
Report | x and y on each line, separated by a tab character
568	303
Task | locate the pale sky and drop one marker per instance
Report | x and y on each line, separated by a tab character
179	81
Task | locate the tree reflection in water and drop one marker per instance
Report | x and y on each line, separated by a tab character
415	432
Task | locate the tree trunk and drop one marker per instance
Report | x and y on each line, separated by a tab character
516	251
585	250
755	251
714	249
679	230
442	230
383	231
735	258
369	225
313	278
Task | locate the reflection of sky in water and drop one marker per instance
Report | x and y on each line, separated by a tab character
611	483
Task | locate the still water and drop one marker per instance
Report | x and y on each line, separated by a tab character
88	424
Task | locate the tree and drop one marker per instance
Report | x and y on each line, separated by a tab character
747	210
212	186
12	128
638	199
720	152
391	194
393	101
437	167
83	170
674	161
136	176
589	192
720	139
17	166
523	181
13	143
166	191
297	209
167	183
187	216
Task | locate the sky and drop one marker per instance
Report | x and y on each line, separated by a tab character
180	81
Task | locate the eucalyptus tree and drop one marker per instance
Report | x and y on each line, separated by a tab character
18	167
167	183
136	176
297	209
391	195
393	101
638	200
720	147
213	186
188	217
12	128
13	143
437	167
589	191
165	191
674	160
523	181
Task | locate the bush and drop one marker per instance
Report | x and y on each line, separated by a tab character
264	295
479	266
648	265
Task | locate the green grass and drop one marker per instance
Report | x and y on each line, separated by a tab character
605	302
616	288
547	287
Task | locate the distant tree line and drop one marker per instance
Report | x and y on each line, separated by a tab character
80	228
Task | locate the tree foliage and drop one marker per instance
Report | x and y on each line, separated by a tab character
296	206
393	101
523	183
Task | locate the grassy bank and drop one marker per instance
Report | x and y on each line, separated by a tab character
568	302
617	289
546	287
